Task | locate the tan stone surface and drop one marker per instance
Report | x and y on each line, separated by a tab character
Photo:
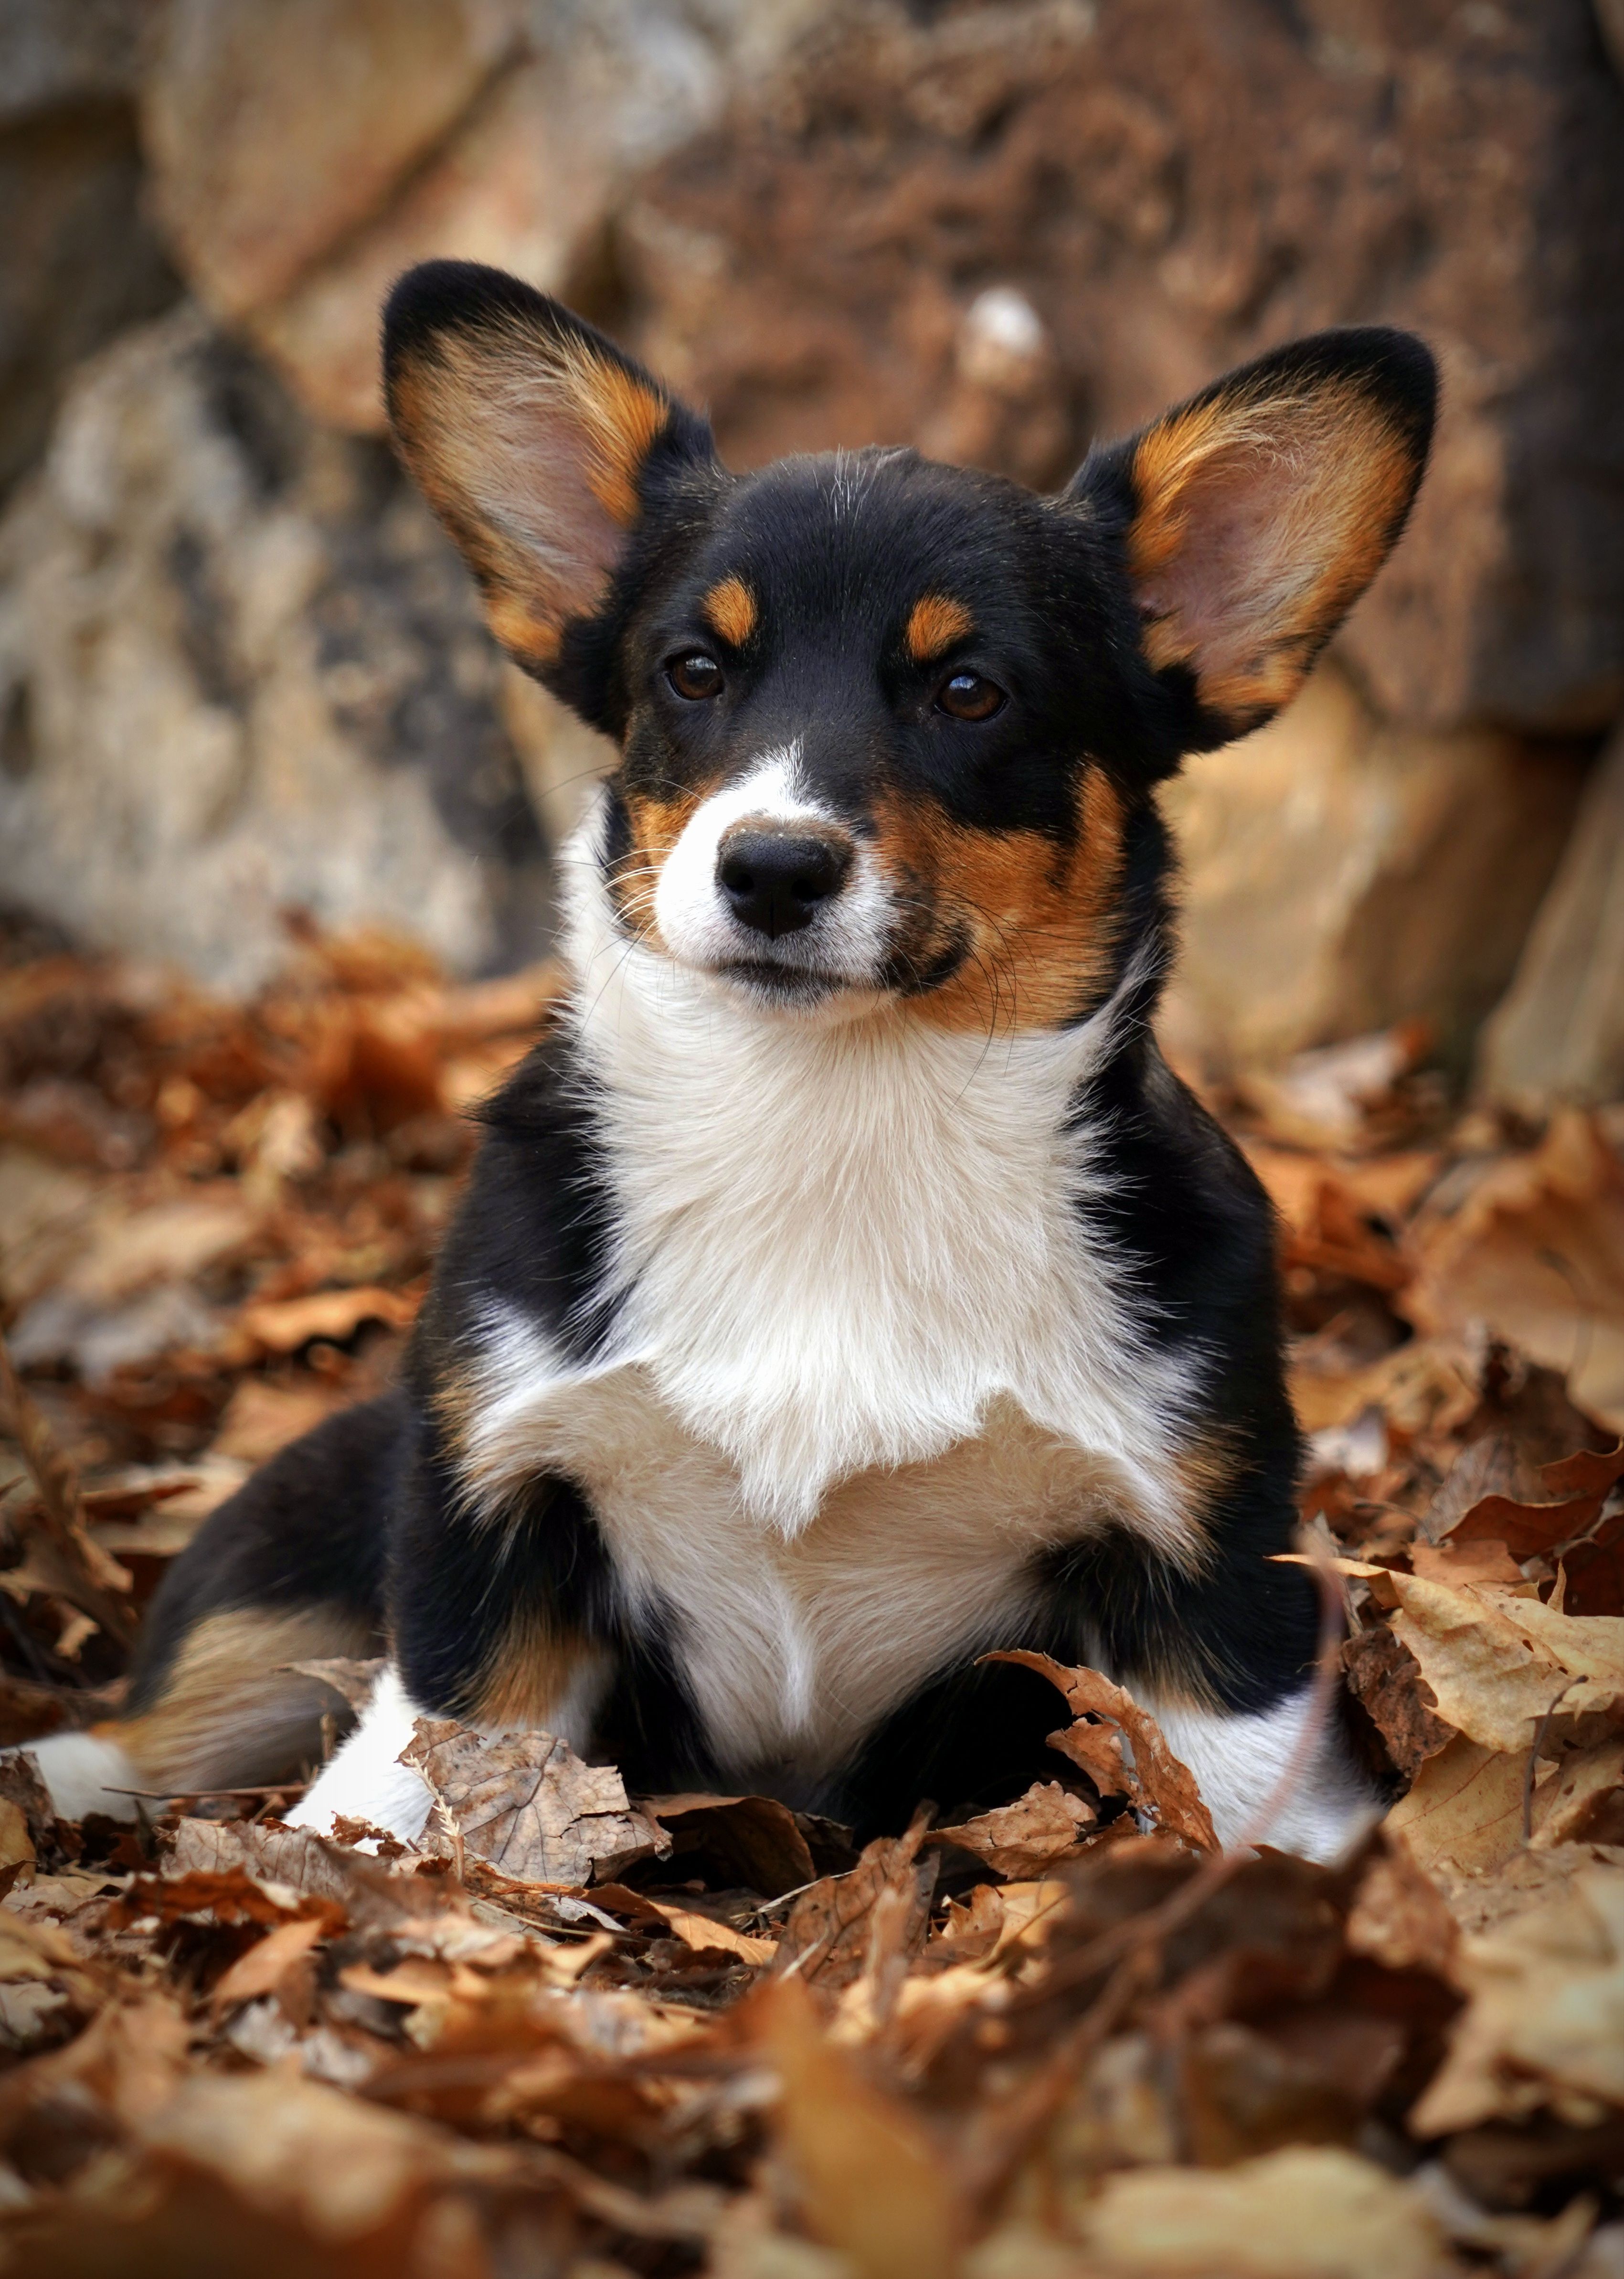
271	131
1341	874
1560	1033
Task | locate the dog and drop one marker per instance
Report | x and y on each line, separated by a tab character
845	1287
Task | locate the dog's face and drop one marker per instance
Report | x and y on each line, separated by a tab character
889	729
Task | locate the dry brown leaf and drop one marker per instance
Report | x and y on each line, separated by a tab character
526	1803
281	1325
1536	1252
1023	1839
1463	1809
1159	1783
751	1841
270	1963
18	1858
1309	2211
1399	1918
1488	1677
261	1418
1385	1678
868	2181
351	1680
826	1941
1588	1647
1545	2028
1580	1798
342	2169
702	1932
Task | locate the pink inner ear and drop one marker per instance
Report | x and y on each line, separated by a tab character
1259	523
1258	527
533	487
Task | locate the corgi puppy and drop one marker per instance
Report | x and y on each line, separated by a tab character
845	1288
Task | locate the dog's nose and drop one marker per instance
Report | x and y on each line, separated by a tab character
775	880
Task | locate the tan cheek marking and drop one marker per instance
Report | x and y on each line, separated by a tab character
656	824
934	623
622	420
229	1710
1040	920
730	609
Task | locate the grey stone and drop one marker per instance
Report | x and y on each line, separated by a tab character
81	261
243	671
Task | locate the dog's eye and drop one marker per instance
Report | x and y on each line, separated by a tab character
968	696
695	676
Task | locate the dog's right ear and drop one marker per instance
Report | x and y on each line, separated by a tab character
533	438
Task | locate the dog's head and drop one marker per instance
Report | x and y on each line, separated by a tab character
889	729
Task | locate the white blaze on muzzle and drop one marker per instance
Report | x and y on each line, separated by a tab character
845	937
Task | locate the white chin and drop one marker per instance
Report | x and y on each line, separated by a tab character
769	987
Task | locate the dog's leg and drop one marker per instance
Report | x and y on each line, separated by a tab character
1241	1760
502	1623
367	1780
288	1570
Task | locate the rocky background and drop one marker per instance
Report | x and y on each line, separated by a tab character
241	675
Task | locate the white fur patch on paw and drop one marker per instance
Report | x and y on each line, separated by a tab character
1239	1760
84	1773
365	1780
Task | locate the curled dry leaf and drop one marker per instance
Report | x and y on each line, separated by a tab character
867	2180
1538	1253
1023	1839
1544	2027
753	1841
526	1803
1308	2212
1156	1781
1385	1678
1399	1917
826	1942
1487	1677
1463	1809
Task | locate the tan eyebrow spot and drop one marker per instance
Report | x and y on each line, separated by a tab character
934	623
729	608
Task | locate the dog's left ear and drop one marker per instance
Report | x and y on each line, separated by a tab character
1254	516
537	442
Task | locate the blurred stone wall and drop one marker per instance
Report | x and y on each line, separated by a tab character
991	230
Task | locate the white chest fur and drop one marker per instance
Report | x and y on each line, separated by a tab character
867	1359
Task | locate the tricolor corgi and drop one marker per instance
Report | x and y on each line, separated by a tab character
845	1287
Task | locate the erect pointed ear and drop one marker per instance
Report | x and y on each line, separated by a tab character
1257	514
533	438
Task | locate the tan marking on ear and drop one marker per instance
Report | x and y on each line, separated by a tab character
230	1709
934	623
730	609
623	417
530	450
1260	520
1039	918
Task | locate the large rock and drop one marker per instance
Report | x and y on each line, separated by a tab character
1560	1034
241	670
80	261
494	130
1342	875
1173	185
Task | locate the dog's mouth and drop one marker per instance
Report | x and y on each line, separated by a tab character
770	982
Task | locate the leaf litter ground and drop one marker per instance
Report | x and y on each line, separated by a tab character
583	2033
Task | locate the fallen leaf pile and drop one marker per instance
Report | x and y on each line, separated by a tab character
578	2032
